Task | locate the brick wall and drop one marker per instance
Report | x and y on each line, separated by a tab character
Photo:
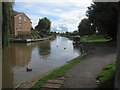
25	24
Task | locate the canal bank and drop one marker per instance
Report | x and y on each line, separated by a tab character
40	56
83	74
54	73
27	40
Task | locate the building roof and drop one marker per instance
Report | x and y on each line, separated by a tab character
15	13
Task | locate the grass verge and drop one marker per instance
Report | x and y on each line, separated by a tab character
90	38
106	76
94	38
57	72
68	36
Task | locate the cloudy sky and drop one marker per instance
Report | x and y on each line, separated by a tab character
65	15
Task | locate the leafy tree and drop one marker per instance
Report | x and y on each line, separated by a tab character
104	17
43	26
75	32
6	22
67	32
85	27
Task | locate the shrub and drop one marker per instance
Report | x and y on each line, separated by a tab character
106	76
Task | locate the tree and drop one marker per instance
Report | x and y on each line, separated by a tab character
6	22
104	17
43	26
85	27
75	32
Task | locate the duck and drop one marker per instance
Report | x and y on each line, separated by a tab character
64	48
27	69
57	46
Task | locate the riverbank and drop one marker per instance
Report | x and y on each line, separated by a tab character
84	74
90	38
94	38
58	72
97	52
38	81
27	40
69	48
30	83
40	56
52	37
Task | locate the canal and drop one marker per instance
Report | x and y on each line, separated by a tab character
40	56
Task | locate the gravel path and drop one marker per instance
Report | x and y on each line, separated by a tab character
84	74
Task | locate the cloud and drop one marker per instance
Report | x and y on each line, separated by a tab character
68	12
69	19
59	2
58	10
34	19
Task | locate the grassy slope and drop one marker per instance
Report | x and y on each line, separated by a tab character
106	76
94	38
58	72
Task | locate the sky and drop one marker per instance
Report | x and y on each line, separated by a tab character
65	15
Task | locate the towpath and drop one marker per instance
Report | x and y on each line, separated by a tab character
84	74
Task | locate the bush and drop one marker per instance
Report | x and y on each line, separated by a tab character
28	35
52	37
35	34
106	76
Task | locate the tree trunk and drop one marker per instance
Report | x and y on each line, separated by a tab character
117	77
0	45
6	22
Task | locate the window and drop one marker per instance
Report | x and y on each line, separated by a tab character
25	19
20	19
20	27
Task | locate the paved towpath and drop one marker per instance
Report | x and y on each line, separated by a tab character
84	74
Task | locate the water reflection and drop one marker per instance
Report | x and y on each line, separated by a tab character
17	55
79	48
44	49
39	56
21	54
7	73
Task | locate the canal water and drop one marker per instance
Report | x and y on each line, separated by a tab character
40	56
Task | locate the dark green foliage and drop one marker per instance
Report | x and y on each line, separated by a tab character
43	26
106	76
6	23
74	32
104	17
85	27
94	38
28	35
70	35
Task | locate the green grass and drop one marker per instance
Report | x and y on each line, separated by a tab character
106	76
94	38
58	72
68	36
